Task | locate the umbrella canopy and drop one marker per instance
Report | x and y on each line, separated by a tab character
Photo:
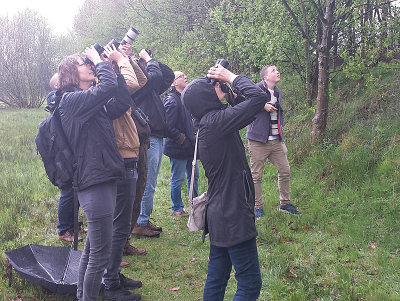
55	268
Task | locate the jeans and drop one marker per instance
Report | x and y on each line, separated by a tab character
65	210
98	203
244	258
126	190
154	156
178	169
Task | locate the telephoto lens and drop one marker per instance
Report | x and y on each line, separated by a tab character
130	36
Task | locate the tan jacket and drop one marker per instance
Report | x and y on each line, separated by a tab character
124	127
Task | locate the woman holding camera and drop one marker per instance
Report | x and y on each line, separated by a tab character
86	114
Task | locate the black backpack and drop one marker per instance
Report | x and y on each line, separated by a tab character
53	147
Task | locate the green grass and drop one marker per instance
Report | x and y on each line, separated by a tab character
345	246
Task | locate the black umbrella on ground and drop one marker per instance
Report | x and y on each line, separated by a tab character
55	268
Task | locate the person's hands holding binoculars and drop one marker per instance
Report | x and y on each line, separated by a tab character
112	53
144	55
92	54
220	73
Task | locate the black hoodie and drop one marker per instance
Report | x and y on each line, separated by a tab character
230	210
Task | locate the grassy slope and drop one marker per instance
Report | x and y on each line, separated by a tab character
344	247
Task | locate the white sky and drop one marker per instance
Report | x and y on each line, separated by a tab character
59	14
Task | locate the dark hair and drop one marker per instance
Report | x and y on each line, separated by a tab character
68	71
264	71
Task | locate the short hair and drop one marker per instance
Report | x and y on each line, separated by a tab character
68	71
264	71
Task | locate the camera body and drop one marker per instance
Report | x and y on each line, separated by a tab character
224	87
129	38
274	104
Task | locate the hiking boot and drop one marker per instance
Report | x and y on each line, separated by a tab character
124	264
258	213
69	236
289	208
128	283
131	250
180	213
140	231
120	294
153	227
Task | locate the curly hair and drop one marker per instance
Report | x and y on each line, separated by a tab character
68	71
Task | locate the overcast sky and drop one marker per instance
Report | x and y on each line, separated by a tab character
59	14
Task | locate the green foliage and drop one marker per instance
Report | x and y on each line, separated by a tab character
345	246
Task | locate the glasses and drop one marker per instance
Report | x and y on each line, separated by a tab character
180	76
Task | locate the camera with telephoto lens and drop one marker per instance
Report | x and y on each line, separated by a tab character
130	36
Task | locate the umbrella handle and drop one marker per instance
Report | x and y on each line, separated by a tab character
10	276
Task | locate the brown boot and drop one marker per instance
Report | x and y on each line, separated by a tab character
139	232
180	213
153	227
131	250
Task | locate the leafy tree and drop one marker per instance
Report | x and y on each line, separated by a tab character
27	60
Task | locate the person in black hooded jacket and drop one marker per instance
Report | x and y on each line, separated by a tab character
230	219
86	115
159	79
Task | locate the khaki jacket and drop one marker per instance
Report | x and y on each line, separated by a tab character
125	129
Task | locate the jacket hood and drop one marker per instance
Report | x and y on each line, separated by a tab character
54	97
199	98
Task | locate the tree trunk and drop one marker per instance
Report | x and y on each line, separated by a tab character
321	116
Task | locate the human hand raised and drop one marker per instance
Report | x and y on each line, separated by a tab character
92	54
220	73
125	49
143	54
112	53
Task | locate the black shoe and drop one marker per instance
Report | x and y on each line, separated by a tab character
128	283
120	294
289	208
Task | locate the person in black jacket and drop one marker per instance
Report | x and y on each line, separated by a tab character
159	79
86	114
179	147
230	219
65	218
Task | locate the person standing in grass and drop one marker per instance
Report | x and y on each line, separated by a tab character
86	115
179	145
65	217
265	142
230	219
116	285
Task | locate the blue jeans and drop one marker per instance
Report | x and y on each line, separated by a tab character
154	156
65	210
178	169
244	258
126	190
98	203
